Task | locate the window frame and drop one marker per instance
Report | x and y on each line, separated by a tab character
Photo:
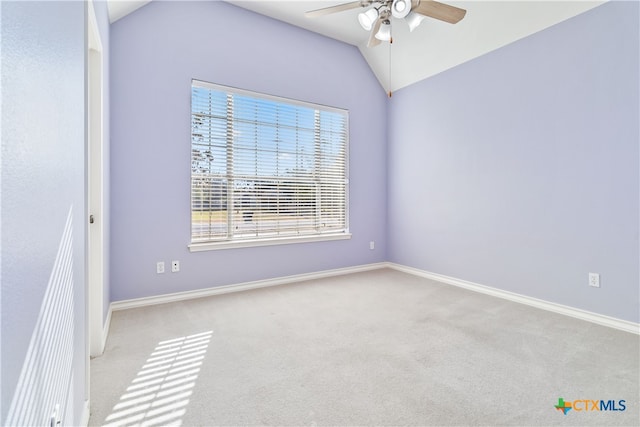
231	242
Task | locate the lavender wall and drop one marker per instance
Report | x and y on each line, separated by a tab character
43	212
519	170
155	52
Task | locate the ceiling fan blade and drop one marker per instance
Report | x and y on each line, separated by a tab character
441	11
333	9
373	41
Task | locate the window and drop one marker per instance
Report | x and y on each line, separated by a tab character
265	170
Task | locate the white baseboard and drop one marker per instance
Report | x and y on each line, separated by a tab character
218	290
85	414
577	313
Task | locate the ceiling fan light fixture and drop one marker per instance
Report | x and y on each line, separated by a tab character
413	20
400	8
384	33
366	19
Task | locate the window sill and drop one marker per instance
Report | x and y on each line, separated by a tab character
250	243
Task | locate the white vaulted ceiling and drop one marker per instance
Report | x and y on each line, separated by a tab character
121	8
433	47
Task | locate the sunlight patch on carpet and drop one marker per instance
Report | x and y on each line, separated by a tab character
160	392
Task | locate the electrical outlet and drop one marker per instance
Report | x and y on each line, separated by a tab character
594	280
160	267
372	245
175	266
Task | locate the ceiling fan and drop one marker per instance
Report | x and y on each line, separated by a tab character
377	19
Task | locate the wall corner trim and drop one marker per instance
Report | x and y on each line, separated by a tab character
107	326
218	290
599	319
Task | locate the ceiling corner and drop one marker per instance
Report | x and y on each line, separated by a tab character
121	8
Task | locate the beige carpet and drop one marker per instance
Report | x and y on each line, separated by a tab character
375	348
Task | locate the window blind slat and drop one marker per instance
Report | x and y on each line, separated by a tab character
265	167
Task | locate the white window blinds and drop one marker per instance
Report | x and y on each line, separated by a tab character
264	167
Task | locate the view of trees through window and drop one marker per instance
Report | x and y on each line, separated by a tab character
265	167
